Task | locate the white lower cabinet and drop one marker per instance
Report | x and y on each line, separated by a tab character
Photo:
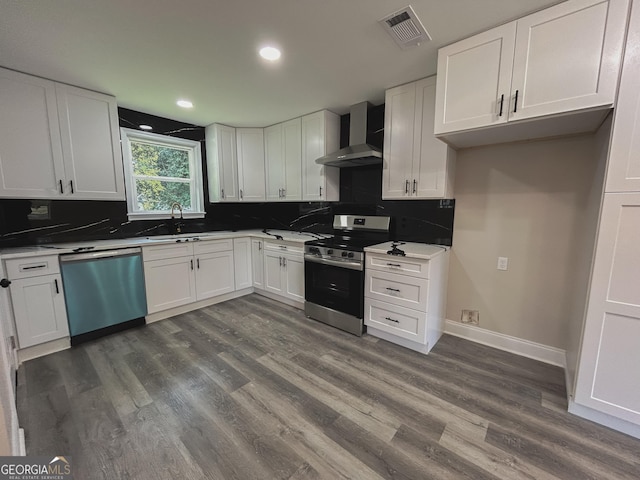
405	299
242	262
180	274
284	271
257	262
38	300
169	283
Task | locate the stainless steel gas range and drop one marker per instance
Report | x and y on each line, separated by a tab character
334	271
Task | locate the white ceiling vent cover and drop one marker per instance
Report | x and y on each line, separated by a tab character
405	28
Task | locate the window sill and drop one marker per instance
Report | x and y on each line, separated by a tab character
164	216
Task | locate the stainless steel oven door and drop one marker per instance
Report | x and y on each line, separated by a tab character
335	284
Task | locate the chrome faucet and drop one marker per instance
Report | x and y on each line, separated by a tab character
178	227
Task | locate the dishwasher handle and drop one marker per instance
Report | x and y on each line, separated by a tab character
122	252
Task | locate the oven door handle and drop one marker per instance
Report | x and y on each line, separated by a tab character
334	263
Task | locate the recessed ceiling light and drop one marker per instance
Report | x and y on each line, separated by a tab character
146	127
184	104
270	53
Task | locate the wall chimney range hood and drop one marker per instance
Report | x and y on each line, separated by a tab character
359	153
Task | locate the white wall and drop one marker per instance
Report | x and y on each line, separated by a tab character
528	202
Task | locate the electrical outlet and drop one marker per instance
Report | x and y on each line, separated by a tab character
470	316
503	263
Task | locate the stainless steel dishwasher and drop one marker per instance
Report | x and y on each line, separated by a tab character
104	292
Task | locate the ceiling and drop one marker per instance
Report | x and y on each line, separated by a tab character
149	53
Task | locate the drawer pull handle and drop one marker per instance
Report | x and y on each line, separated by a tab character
393	289
392	319
35	267
55	280
394	265
284	247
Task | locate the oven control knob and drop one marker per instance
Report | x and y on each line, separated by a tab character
344	254
314	250
350	255
330	252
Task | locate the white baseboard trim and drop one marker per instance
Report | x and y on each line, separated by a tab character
604	419
519	346
43	349
172	312
281	299
22	445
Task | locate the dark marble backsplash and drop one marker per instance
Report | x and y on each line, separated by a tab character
31	222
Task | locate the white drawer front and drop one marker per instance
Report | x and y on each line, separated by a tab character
391	263
32	267
167	250
213	246
283	247
403	290
399	321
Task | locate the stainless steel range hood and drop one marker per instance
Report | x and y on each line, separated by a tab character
359	152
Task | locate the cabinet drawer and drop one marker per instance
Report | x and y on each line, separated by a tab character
398	289
168	250
213	246
32	267
404	265
283	247
399	321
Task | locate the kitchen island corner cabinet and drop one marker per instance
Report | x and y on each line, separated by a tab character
405	296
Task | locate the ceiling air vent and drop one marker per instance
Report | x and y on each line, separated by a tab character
405	28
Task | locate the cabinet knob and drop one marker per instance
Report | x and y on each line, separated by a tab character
5	282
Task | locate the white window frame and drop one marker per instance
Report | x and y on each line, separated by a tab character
195	167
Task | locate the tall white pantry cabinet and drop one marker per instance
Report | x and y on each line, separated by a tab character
607	380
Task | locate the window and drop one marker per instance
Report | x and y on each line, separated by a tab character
160	171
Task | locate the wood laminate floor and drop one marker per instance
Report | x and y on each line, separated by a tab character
251	389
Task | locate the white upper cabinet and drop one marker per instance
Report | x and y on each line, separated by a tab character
416	165
274	162
474	78
562	59
222	163
57	141
283	160
292	154
623	172
90	144
30	148
567	58
320	135
251	175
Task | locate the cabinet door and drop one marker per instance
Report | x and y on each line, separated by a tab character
274	162
399	118
607	378
623	172
274	280
320	135
294	273
39	309
292	156
251	178
222	163
169	283
567	57
257	260
90	144
433	160
242	263
474	79
215	274
31	163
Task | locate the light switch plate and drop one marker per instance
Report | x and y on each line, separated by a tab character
503	263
